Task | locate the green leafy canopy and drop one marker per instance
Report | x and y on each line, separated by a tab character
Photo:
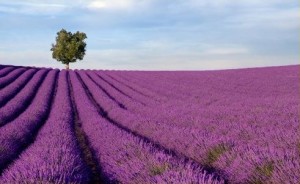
69	47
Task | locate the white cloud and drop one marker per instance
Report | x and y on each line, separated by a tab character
97	5
36	58
226	51
222	3
157	45
283	19
31	8
47	6
130	59
110	4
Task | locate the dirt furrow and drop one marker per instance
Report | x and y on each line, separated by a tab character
106	92
130	87
33	133
87	153
155	144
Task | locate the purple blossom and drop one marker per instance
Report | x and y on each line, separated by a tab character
13	88
234	126
55	155
8	78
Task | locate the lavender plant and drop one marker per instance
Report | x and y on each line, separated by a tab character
227	126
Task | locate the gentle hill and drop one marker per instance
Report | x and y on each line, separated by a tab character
102	126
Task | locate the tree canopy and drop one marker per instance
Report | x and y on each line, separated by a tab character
69	47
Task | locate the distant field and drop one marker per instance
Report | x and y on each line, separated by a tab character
98	126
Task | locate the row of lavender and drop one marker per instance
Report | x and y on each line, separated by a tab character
28	112
243	123
122	155
38	142
54	156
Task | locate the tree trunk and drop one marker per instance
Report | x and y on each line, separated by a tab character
67	66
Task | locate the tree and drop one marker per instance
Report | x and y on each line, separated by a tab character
69	47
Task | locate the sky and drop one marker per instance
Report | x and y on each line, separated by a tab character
154	34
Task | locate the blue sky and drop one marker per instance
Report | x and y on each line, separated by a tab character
154	34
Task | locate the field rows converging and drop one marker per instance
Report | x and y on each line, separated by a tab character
89	126
17	134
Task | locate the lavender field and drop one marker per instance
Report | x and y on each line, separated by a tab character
98	126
